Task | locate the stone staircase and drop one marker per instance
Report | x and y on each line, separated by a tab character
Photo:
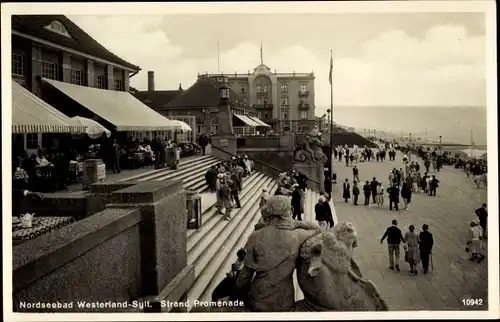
212	248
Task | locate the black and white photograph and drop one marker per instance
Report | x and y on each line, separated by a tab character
266	160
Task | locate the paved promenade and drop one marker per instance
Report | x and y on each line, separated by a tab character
448	214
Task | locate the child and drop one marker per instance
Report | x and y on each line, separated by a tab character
226	286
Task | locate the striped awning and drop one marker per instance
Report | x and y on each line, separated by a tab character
245	119
259	121
119	108
30	114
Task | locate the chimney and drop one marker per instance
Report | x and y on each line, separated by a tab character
151	81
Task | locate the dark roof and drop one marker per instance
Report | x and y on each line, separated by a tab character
156	99
205	93
34	25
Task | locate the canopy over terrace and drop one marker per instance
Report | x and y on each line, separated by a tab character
121	109
30	114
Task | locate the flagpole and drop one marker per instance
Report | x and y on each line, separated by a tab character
331	113
218	59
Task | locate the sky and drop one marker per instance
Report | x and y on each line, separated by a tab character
379	59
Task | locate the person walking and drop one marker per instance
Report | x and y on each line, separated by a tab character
355	192
355	174
346	193
411	249
203	142
433	185
321	216
475	242
328	184
425	247
406	194
482	215
393	192
373	189
367	192
297	203
116	152
380	194
394	239
328	213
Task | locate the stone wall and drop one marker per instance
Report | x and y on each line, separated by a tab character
134	249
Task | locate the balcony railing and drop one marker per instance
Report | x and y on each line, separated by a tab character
303	93
304	106
263	106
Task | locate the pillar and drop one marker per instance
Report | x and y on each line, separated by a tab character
66	67
36	70
109	77
89	73
163	230
126	80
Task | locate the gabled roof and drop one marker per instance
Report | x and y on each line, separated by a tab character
34	25
156	99
205	93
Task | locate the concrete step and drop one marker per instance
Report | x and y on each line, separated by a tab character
221	239
209	215
216	269
190	172
213	222
154	172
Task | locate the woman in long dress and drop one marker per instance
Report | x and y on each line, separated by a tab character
346	193
411	247
476	241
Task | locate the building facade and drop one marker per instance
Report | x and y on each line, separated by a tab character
198	105
283	100
55	48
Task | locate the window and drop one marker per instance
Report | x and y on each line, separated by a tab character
303	115
285	116
117	85
303	87
284	88
259	101
58	27
266	116
284	101
76	77
266	101
258	88
259	114
265	88
99	80
32	141
243	89
18	64
49	70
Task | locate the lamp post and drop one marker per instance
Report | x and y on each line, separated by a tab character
440	141
225	126
330	114
410	138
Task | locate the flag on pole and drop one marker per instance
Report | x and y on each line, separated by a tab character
331	67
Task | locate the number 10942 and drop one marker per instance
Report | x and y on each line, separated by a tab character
472	302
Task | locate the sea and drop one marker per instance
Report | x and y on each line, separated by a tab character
453	124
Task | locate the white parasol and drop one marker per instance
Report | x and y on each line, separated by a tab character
184	127
93	129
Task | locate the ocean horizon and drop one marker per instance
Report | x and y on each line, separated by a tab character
453	123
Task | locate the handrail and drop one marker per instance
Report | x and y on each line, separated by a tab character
258	161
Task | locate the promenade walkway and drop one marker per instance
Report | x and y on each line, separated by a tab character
454	277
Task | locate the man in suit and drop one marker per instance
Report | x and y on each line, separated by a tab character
425	246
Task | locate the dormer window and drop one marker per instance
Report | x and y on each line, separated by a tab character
58	27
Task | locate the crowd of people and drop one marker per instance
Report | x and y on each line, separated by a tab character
225	179
401	183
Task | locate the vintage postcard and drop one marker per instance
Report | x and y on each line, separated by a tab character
242	161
